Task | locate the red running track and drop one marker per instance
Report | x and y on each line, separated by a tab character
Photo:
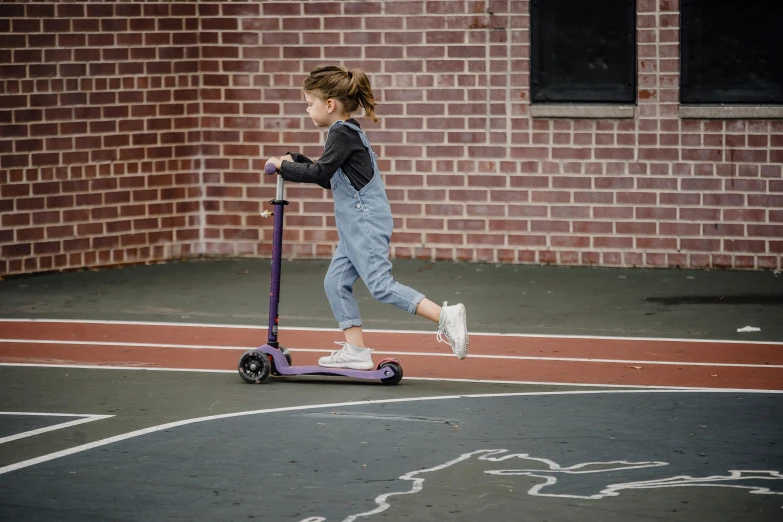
561	360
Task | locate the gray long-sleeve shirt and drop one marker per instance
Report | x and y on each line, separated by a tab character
343	149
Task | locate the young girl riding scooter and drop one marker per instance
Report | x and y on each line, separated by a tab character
363	216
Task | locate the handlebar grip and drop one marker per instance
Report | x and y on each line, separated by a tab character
270	168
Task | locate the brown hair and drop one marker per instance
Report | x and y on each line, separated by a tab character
351	87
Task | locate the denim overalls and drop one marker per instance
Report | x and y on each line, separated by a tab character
364	227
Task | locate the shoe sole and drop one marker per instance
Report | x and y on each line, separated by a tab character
347	366
464	314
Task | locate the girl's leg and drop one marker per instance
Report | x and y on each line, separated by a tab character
338	285
353	355
371	259
428	309
353	335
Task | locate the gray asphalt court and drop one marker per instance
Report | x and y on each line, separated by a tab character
91	443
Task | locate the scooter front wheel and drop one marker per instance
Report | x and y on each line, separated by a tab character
254	367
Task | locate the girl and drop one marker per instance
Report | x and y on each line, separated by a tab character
362	214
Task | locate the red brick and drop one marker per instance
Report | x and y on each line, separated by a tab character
526	240
723	200
775	231
608	182
47	247
342	23
614	153
771	201
593	227
570	242
637	198
738	245
550	226
723	229
635	228
17	250
613	212
613	242
768	262
651	243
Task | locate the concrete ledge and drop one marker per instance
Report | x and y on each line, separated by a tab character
582	111
724	112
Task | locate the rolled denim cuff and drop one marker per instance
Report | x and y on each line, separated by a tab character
344	325
415	303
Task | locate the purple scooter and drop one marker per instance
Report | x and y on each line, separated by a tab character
256	365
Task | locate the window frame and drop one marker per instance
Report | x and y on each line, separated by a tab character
630	82
705	98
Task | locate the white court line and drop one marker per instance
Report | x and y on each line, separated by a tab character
386	352
420	332
440	379
85	418
153	429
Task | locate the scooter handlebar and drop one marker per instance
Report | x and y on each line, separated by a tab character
270	168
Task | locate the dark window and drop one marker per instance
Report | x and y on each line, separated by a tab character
732	52
583	51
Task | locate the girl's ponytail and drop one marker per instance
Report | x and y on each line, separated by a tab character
352	88
361	90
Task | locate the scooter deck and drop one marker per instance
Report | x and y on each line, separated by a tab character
282	367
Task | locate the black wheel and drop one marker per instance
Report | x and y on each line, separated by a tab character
254	367
287	355
396	368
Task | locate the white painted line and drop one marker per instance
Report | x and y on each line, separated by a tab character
442	379
368	416
420	332
185	422
24	434
39	414
100	367
135	345
623	386
385	352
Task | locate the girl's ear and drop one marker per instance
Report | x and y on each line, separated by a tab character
330	105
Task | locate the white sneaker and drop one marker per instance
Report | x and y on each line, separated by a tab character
454	328
349	357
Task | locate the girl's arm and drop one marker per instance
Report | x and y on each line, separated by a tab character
299	158
335	154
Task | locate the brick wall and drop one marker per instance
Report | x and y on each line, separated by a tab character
470	174
99	134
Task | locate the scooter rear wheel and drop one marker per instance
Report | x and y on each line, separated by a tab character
254	367
396	368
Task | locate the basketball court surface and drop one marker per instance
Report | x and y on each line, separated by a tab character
588	395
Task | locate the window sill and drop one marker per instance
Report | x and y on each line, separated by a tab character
727	112
583	111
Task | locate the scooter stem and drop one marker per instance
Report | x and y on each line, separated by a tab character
277	251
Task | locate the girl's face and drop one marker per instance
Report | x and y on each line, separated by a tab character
324	112
318	110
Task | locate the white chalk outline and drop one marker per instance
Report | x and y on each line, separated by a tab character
391	352
84	418
495	455
613	489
